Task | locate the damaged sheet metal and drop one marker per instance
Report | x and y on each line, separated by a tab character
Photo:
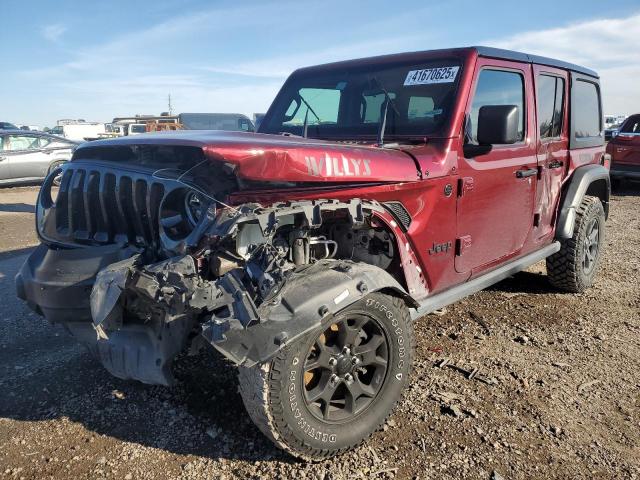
105	299
310	296
160	303
146	314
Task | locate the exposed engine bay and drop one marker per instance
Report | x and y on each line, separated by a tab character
245	282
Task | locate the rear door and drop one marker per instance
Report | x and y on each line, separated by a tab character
553	144
627	143
496	191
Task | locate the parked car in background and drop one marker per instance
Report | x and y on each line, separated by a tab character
611	132
7	126
79	132
624	149
611	120
31	156
216	121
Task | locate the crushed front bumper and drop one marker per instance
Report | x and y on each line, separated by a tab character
57	284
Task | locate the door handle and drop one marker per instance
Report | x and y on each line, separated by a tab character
529	172
556	164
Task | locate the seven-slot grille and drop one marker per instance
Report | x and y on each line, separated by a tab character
99	205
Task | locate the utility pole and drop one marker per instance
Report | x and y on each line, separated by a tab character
170	107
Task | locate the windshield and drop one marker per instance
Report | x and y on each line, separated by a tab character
350	104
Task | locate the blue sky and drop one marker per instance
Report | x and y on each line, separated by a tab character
100	59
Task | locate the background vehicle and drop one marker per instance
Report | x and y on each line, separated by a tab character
216	121
136	128
624	149
611	120
79	132
377	190
7	126
31	156
611	132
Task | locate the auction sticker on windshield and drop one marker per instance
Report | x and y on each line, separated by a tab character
431	75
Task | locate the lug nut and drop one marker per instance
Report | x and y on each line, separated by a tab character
348	378
355	361
346	351
334	379
332	361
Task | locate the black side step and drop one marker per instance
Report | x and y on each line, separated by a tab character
480	283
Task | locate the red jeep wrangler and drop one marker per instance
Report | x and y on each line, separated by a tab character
376	191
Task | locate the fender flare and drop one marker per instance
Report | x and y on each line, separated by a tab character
585	180
310	297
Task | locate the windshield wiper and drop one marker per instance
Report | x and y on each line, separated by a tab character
382	126
306	116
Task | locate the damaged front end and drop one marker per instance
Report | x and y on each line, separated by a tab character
262	277
141	263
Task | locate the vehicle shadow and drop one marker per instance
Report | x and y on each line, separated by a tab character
45	374
17	208
529	283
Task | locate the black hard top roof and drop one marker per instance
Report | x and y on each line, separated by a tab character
526	57
489	52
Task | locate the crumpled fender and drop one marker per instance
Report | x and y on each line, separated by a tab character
310	297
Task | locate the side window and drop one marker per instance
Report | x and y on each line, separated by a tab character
497	87
586	109
550	105
325	102
43	142
19	143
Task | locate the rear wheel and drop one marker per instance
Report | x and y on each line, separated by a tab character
327	392
574	267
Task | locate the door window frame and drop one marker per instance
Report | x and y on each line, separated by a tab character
563	126
525	114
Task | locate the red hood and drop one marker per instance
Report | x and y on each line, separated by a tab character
280	158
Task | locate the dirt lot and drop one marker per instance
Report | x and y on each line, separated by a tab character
560	396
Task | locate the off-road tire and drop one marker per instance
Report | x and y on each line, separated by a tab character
565	268
272	392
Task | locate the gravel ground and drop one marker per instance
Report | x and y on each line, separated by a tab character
557	393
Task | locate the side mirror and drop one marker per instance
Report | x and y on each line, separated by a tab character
498	124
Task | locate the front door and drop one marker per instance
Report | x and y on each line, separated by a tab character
496	192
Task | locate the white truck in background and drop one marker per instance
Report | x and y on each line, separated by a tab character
80	131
